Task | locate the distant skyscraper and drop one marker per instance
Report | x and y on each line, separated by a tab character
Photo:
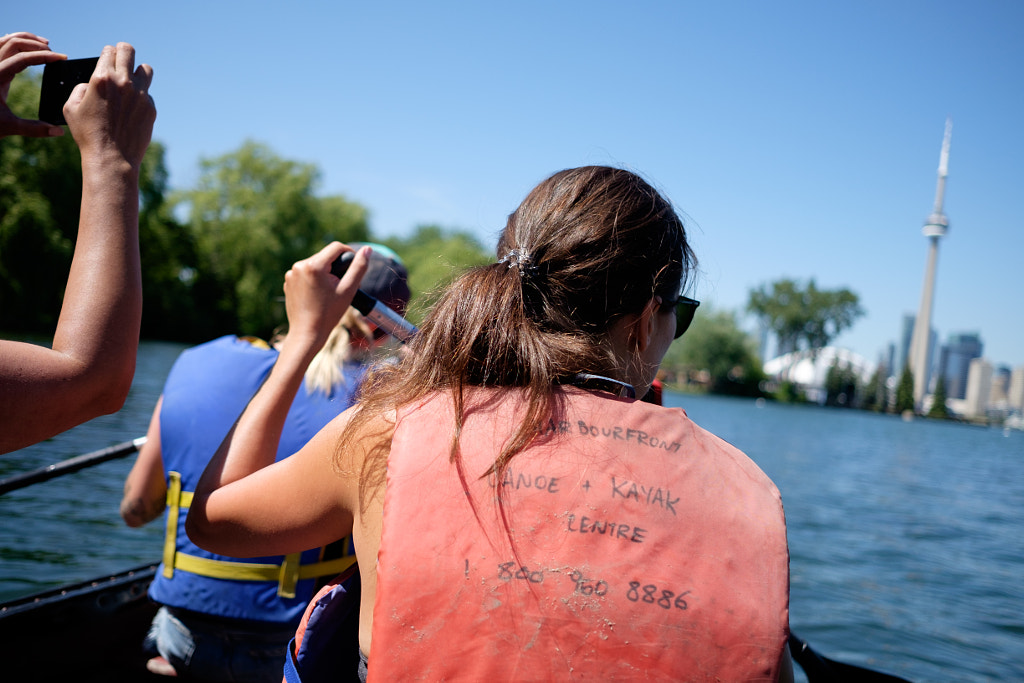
1016	393
934	228
941	365
903	348
979	386
961	349
999	394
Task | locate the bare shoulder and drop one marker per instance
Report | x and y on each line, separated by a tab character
355	435
358	445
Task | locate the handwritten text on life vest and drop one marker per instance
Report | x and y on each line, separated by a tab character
612	529
638	592
619	433
620	488
623	488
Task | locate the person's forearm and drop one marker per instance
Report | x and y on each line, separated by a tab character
252	443
99	322
137	510
315	301
145	489
250	446
88	369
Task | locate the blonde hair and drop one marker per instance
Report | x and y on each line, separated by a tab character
325	370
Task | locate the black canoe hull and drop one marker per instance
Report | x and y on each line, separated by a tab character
89	631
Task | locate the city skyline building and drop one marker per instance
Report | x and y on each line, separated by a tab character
1000	392
960	349
903	348
979	387
1015	395
933	366
934	228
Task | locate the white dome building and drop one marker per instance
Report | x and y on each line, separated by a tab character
808	370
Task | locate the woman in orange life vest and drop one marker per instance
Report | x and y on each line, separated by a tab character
517	513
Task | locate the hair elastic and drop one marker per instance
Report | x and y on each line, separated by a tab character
518	258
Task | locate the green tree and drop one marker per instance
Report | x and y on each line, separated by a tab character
803	317
717	350
905	391
840	385
435	257
40	201
251	216
938	409
40	195
171	307
790	392
876	396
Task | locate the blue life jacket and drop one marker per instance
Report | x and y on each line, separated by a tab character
325	648
206	390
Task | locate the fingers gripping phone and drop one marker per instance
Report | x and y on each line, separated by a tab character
59	79
375	311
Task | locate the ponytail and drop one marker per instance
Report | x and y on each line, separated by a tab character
587	247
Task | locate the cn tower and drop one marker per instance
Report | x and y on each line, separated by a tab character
934	228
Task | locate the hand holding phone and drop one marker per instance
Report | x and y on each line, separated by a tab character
375	311
59	79
113	113
18	51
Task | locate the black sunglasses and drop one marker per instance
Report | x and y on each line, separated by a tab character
685	309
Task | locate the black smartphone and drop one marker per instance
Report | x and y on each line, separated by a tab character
59	79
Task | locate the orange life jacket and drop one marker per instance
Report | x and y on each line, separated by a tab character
630	544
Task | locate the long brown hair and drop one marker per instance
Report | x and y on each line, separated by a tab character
586	247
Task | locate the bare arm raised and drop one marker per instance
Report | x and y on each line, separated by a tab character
222	517
90	366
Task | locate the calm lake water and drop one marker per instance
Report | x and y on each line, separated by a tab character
906	538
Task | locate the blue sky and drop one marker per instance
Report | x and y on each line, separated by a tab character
801	139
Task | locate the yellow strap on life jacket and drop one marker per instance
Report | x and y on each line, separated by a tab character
171	535
287	574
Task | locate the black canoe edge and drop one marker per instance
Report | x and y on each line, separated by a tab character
88	631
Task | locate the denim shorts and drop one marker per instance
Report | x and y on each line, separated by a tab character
205	647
